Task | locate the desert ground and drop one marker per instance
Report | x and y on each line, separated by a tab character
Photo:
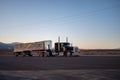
60	68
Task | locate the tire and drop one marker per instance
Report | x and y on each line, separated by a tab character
16	54
43	54
23	54
30	55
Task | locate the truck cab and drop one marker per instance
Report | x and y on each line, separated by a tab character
64	49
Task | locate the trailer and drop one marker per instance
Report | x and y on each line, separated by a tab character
41	48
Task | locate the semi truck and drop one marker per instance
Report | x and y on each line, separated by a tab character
44	48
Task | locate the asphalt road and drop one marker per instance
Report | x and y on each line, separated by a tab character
96	74
59	63
60	68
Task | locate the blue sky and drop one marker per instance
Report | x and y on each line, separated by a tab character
88	24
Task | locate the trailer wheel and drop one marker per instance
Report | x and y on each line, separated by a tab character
23	54
43	54
16	55
30	55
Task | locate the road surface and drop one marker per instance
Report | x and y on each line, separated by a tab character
60	68
56	63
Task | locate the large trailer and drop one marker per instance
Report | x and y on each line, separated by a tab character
41	48
44	48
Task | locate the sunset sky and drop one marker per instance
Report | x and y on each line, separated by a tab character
88	24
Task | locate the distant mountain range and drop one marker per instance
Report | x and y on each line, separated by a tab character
7	45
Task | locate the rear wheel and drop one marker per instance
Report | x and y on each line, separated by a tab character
17	54
29	54
43	54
